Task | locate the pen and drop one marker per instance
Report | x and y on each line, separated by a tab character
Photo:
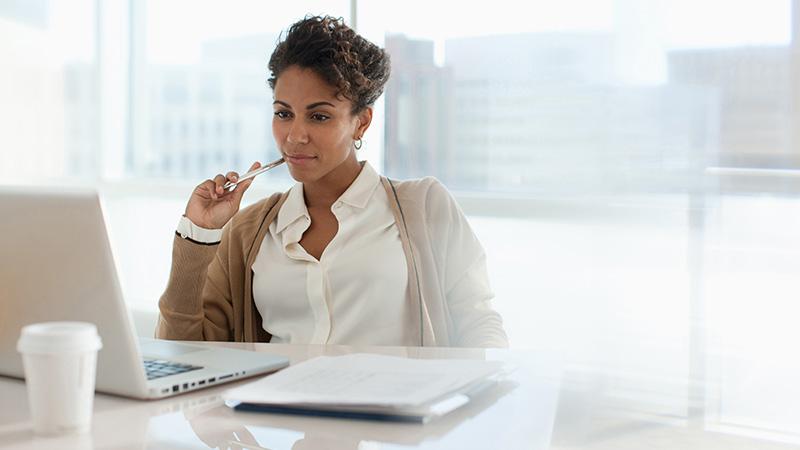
232	184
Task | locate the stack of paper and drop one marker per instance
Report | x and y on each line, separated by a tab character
368	387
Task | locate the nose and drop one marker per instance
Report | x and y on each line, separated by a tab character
297	134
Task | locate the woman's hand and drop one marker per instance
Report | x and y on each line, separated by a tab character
211	206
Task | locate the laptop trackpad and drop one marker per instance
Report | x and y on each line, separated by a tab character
166	349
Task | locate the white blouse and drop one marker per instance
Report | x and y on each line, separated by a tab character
356	292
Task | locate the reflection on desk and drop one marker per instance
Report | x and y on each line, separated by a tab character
546	403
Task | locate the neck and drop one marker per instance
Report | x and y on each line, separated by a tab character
323	192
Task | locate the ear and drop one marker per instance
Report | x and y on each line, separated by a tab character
364	119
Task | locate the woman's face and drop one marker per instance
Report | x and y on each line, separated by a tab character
314	129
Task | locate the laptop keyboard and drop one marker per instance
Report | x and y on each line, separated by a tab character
157	368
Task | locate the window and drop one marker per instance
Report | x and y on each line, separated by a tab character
48	90
587	98
207	77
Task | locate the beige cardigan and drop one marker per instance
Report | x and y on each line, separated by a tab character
209	293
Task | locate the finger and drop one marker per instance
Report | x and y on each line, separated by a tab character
247	182
230	177
206	189
253	167
219	181
241	187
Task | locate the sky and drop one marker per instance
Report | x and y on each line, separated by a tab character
176	29
673	23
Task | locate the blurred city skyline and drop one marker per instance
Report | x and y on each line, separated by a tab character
564	111
509	113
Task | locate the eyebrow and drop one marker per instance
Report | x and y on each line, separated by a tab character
311	106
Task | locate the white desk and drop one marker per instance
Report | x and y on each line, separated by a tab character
546	404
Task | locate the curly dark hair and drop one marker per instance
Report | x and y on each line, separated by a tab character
355	66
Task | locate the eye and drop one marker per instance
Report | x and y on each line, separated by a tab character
283	114
319	117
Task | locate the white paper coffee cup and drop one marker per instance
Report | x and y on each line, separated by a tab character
60	359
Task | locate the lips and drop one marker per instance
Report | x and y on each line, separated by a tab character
298	159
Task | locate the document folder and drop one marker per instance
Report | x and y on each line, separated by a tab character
369	387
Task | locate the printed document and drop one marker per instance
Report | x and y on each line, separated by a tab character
366	380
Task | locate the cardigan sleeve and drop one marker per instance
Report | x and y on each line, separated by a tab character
464	275
196	304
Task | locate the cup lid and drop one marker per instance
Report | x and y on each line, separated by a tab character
59	337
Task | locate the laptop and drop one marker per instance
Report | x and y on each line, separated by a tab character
56	265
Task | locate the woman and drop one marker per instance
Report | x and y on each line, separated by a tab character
345	256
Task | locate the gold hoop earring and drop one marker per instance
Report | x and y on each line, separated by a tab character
358	144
